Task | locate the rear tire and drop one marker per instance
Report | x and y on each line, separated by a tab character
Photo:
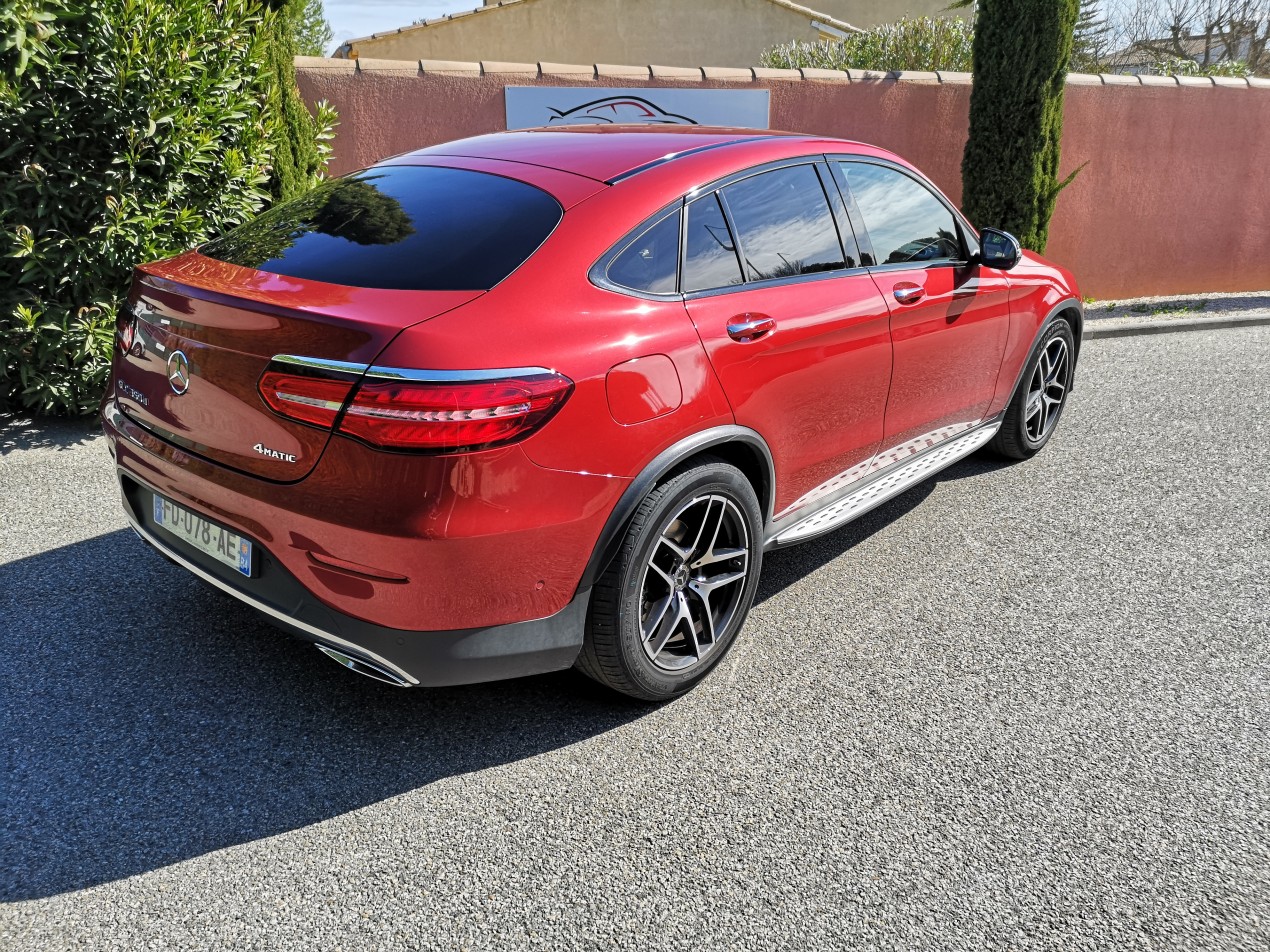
1037	404
671	603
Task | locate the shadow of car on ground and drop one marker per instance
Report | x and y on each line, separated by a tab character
148	719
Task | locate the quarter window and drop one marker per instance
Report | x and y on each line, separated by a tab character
784	223
710	256
651	261
905	221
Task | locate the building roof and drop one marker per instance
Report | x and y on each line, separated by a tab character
344	48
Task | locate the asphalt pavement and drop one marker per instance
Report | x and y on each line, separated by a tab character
1020	707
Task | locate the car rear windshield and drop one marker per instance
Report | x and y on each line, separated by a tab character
403	227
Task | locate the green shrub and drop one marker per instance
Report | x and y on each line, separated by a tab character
1180	66
926	43
129	131
1010	167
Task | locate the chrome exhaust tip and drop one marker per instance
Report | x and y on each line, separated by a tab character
362	666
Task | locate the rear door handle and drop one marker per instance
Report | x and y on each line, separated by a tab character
748	327
908	293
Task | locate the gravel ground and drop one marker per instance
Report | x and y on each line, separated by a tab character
1020	707
1241	306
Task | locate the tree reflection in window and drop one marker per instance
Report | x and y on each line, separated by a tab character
403	227
349	208
784	223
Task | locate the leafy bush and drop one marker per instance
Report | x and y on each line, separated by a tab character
926	43
129	131
1180	66
1009	170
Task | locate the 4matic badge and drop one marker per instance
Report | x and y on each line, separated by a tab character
274	454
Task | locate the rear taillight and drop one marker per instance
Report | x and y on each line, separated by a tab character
424	411
309	398
448	416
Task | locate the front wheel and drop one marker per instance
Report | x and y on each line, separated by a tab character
671	603
1038	402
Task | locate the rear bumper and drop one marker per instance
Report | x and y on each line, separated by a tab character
402	657
431	573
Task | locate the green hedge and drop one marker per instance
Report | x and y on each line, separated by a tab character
925	43
129	130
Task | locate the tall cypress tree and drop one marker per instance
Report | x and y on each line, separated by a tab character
296	160
1009	171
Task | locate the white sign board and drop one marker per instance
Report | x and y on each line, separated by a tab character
531	106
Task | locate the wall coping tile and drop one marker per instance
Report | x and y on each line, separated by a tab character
450	67
617	71
508	69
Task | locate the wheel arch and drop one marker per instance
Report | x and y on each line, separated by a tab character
1070	310
738	445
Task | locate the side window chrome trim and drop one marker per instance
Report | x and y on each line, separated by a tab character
780	282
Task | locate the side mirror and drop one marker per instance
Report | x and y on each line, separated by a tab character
998	249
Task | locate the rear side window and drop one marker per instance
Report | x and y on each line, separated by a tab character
905	221
403	227
651	262
784	223
710	256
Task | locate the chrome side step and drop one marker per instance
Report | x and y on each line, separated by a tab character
886	485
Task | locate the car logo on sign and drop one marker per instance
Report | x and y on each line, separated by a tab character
178	372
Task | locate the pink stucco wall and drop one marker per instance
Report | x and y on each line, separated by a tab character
1174	196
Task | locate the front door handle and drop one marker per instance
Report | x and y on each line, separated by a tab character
906	292
748	327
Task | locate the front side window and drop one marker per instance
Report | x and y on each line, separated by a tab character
784	223
650	263
709	255
403	227
905	221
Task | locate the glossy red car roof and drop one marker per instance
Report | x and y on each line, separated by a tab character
602	153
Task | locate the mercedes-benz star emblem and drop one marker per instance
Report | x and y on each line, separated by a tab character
178	373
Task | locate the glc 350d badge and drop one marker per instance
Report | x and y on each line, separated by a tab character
178	372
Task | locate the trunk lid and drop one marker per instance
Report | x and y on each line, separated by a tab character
198	333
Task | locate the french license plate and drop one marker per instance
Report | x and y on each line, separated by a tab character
218	542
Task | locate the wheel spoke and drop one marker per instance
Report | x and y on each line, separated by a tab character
707	626
680	552
656	615
665	576
707	586
1035	401
714	532
719	555
701	529
668	626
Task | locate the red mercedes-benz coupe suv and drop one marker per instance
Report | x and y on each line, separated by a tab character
544	398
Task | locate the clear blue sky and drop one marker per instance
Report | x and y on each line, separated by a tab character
356	18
